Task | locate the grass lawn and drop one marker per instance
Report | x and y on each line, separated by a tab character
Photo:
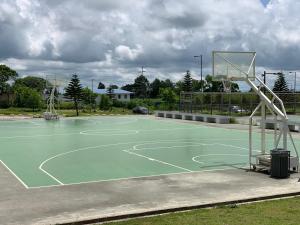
276	212
66	112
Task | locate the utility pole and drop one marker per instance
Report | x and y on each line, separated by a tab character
265	78
143	71
200	56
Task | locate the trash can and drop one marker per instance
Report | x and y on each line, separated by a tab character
280	163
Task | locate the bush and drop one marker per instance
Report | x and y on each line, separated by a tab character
27	97
4	104
87	108
131	104
169	97
105	102
119	104
66	105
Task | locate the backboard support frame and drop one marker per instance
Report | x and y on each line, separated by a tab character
242	71
244	74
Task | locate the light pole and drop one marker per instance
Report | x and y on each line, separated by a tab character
93	105
200	56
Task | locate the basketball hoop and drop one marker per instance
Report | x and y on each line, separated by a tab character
230	66
53	85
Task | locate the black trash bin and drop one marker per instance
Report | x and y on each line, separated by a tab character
280	163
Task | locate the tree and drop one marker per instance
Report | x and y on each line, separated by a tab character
101	86
157	84
36	83
88	97
141	87
128	87
110	91
74	91
167	84
187	82
113	86
6	74
179	87
34	100
27	97
217	86
196	85
212	85
280	84
7	89
154	88
168	96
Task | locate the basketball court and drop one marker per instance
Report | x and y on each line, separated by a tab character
106	168
43	153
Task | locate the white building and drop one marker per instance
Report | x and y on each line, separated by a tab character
118	94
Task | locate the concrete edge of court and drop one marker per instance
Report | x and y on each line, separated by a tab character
178	209
117	200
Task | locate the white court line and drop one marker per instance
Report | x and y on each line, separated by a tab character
181	146
18	178
196	161
39	135
161	141
129	178
105	119
116	144
25	127
199	156
82	132
173	146
33	122
50	175
103	132
98	146
156	160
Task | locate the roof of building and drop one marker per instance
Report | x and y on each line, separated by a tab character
116	91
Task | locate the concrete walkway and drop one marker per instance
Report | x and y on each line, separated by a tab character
56	205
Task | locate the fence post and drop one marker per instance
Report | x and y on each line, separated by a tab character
210	103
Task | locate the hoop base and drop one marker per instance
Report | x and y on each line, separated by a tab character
51	116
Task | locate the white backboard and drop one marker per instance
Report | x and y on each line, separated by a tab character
236	66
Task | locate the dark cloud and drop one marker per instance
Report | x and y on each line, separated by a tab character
109	40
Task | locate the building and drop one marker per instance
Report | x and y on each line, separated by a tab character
118	94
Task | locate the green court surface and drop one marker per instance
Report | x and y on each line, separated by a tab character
94	149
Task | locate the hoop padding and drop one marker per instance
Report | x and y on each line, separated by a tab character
234	66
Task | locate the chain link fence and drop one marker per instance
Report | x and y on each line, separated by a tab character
235	103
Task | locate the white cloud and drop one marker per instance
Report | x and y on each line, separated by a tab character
126	53
110	39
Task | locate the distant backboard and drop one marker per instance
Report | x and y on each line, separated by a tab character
55	81
236	66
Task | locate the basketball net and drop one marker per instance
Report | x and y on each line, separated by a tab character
226	86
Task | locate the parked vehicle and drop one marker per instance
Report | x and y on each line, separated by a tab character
140	110
237	109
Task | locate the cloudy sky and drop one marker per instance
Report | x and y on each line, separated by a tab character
110	40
